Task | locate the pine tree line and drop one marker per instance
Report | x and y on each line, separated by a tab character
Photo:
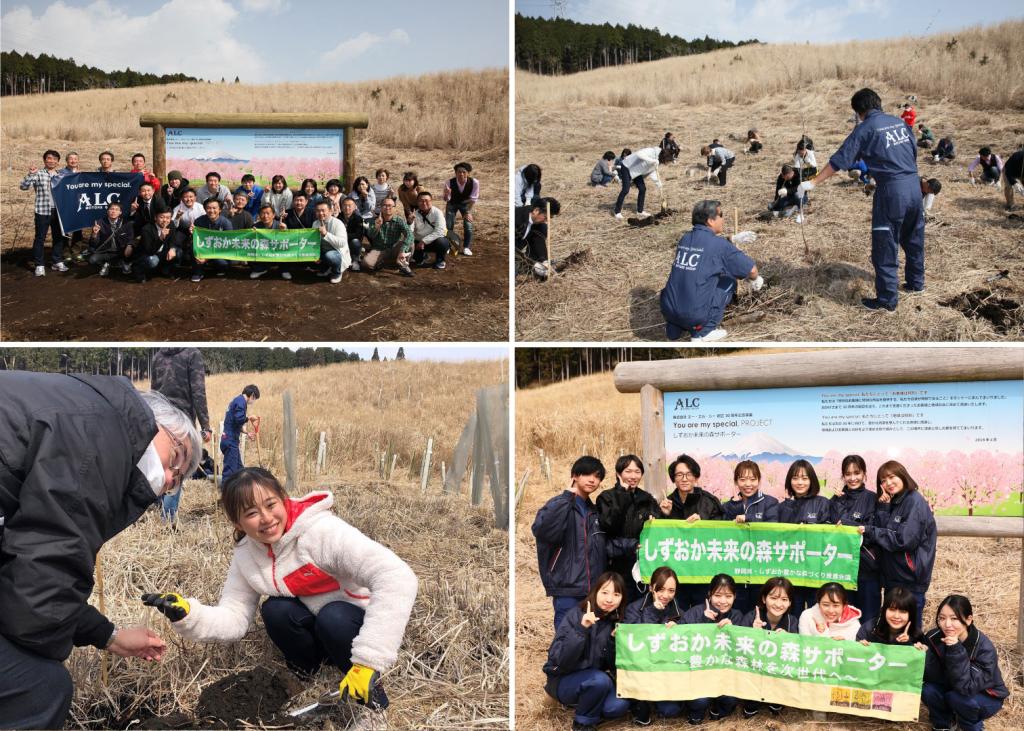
540	366
28	74
560	46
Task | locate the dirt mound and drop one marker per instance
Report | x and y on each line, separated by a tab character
984	304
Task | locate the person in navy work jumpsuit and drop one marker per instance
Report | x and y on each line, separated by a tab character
887	145
235	419
703	277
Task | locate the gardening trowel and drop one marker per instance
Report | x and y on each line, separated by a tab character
327	699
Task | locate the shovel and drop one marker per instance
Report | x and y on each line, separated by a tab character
327	699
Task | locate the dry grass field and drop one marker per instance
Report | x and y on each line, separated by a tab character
782	90
445	118
587	415
452	670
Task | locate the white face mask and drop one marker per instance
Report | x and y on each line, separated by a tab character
153	468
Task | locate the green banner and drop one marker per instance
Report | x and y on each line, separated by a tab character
807	555
688	661
256	244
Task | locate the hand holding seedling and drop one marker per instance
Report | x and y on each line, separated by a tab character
589	618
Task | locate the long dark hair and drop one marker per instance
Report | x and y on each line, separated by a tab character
898	597
238	493
894	468
960	605
616	614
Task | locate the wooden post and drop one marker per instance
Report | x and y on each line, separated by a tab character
425	471
391	472
551	257
652	428
159	152
348	162
321	452
443	473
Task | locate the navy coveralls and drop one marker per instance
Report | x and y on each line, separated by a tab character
234	420
897	215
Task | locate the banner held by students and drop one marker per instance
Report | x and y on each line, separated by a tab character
82	198
807	555
815	673
266	245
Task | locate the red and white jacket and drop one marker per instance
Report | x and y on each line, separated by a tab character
847	627
320	559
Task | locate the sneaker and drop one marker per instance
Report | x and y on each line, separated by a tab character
355	266
618	217
750	712
642	215
324	273
775	214
774	709
105	269
197	277
876	304
541	269
440	265
406	272
910	290
712	335
59	267
799	218
40	271
286	275
126	267
641	713
467	252
336	278
257	274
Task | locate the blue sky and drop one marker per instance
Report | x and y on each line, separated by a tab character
780	21
264	40
795	418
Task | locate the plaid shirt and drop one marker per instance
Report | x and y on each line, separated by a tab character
41	181
390	234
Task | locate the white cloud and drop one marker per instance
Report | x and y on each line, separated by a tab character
187	36
273	6
362	43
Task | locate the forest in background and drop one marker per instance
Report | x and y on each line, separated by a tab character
28	74
540	366
560	46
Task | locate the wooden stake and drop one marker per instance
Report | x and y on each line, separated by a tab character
425	473
444	475
735	221
551	256
391	472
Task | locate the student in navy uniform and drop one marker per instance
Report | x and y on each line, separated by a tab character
236	418
804	505
572	549
903	529
962	683
771	613
703	277
897	217
658	606
855	506
581	659
623	510
897	624
691	503
717	608
750	505
786	196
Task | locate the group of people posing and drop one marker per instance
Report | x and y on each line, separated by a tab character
361	230
587	552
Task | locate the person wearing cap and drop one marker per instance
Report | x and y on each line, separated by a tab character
886	144
61	499
236	418
703	276
176	185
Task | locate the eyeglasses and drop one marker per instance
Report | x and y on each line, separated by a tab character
684	476
178	460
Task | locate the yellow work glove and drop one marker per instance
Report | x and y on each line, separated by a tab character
358	684
174	606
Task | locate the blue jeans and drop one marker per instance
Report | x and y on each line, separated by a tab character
467	226
593	693
35	691
232	457
169	506
627	182
944	704
355	248
563	604
333	259
439	247
53	223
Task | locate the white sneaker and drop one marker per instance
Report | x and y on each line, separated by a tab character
257	274
60	267
286	275
467	252
105	269
336	279
642	215
716	334
541	269
40	271
355	266
799	218
618	216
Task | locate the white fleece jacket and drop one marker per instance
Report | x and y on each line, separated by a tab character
321	559
847	626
